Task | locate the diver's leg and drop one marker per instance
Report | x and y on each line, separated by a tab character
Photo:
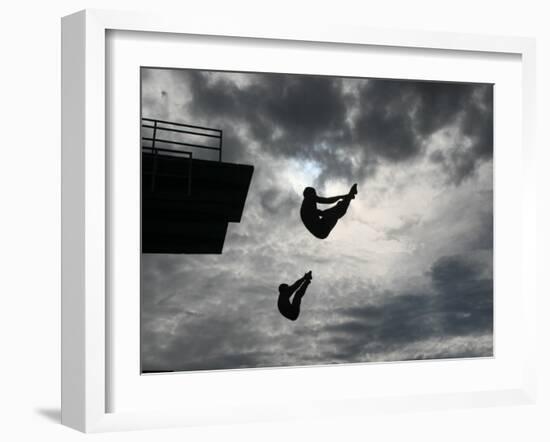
330	217
337	211
297	299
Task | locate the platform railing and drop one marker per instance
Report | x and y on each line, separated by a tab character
167	152
161	126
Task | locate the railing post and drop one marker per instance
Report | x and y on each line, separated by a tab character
189	171
221	146
155	153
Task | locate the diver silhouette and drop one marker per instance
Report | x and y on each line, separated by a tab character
291	310
321	222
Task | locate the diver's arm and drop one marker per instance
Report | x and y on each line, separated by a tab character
330	199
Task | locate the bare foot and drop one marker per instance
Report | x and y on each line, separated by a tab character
353	191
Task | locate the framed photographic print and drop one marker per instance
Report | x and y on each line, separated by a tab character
253	214
229	216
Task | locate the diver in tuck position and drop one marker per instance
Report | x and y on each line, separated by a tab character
321	222
291	310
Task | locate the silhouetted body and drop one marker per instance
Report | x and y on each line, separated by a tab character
321	222
291	310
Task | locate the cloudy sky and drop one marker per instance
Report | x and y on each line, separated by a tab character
406	274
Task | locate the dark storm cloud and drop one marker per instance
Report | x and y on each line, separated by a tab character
461	304
474	109
483	236
289	115
385	126
310	117
275	201
465	297
195	344
305	108
397	118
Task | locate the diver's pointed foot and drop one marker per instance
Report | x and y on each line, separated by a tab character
353	191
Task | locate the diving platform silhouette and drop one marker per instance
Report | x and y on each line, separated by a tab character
188	202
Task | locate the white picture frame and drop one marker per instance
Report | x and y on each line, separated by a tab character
86	210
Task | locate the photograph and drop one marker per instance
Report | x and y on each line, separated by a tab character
292	220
